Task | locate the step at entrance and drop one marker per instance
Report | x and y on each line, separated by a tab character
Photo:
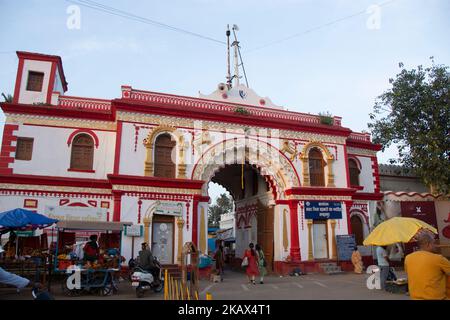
330	268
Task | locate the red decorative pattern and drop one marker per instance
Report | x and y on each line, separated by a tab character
244	215
92	203
104	204
7	148
139	210
79	103
55	194
63	202
187	215
136	134
89	132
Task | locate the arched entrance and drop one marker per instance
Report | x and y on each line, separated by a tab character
256	177
357	229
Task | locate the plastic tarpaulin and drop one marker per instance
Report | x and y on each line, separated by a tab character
24	219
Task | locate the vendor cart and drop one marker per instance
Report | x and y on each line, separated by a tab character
83	276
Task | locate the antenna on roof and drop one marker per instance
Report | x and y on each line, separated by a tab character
237	52
228	58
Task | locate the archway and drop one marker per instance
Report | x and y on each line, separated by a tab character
256	174
357	229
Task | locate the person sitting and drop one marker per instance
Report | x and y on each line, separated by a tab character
91	249
146	261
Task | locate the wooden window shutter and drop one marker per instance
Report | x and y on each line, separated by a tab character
316	168
82	156
24	148
164	166
354	172
35	81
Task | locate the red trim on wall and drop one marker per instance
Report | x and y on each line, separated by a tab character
92	203
155	182
367	196
51	83
348	206
18	81
78	131
324	191
204	114
80	170
7	148
347	172
77	204
295	246
118	146
364	145
117	195
195	220
63	202
62	127
53	111
55	181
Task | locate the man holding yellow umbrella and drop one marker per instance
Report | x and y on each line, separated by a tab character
427	272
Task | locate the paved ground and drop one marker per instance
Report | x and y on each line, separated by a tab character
345	286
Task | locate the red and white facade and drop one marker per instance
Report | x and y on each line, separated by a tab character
121	185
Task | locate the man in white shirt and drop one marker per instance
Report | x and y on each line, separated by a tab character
383	264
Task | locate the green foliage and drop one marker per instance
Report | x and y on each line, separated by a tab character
415	115
223	205
241	110
326	118
7	97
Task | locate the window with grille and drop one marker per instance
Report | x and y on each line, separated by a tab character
164	166
82	156
354	172
24	148
35	81
316	168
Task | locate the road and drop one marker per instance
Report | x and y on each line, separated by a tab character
347	286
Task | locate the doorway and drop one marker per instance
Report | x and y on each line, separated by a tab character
357	229
320	239
163	238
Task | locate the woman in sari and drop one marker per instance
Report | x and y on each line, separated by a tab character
261	263
252	267
357	261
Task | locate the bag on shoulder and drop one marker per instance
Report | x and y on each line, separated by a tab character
244	262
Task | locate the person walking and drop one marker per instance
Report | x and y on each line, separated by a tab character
427	271
357	261
252	267
220	259
383	264
261	263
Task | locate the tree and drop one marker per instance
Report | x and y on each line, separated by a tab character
223	205
415	115
7	97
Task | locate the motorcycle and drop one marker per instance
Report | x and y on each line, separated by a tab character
143	280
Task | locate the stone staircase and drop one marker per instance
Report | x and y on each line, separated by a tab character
330	268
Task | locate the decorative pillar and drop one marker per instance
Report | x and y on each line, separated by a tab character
187	215
333	240
203	247
305	170
117	196
348	206
139	211
147	225
180	224
181	164
285	231
295	248
148	165
310	247
330	161
195	220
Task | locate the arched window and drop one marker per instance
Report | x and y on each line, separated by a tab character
82	156
357	229
316	168
354	172
164	166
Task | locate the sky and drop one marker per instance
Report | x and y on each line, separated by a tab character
336	56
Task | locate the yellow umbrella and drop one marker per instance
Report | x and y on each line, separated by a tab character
397	229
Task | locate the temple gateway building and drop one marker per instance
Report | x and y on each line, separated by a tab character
298	180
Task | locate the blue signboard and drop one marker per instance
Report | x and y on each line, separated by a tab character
321	210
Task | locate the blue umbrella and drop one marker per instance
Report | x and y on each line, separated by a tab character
23	219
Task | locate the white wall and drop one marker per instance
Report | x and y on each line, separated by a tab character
30	97
366	176
51	154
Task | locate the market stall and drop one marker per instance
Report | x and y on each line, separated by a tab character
97	261
26	250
